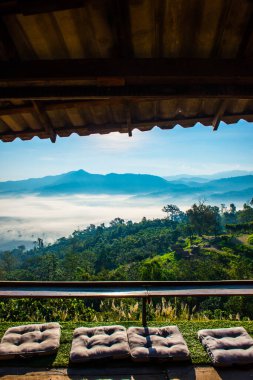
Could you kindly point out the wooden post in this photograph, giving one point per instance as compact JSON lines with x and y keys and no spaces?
{"x":144,"y":311}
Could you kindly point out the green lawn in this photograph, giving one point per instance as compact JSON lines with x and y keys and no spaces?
{"x":188,"y":329}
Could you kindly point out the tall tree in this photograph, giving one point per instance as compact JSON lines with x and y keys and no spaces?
{"x":204,"y":219}
{"x":173,"y":212}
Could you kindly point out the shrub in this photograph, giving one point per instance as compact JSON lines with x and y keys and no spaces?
{"x":250,"y":239}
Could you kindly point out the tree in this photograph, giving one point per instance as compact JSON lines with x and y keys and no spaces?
{"x":232,"y":208}
{"x":204,"y":219}
{"x":246,"y":214}
{"x":116,"y":222}
{"x":173,"y":212}
{"x":230,"y":216}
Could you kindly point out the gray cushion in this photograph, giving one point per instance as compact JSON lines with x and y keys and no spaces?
{"x":30,"y":340}
{"x":227,"y":346}
{"x":98,"y":343}
{"x":163,"y":343}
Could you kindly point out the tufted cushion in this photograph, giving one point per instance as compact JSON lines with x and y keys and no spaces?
{"x":164,"y":343}
{"x":98,"y":343}
{"x":227,"y":346}
{"x":30,"y":340}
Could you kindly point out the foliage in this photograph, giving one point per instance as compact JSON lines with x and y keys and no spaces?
{"x":183,"y":246}
{"x":204,"y":219}
{"x":45,"y":310}
{"x":250,"y":239}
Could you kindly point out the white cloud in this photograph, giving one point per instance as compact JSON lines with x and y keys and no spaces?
{"x":53,"y":217}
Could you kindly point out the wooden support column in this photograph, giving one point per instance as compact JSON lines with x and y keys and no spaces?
{"x":144,"y":311}
{"x":219,"y":114}
{"x":45,"y":120}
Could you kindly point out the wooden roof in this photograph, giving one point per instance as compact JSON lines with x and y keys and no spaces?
{"x":99,"y":66}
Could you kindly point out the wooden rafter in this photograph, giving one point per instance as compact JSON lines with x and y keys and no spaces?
{"x":121,"y":21}
{"x":7,"y":43}
{"x":247,"y":35}
{"x":219,"y":113}
{"x":221,"y":28}
{"x":44,"y":120}
{"x":158,"y":28}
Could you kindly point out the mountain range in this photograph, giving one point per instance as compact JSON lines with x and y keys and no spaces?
{"x":234,"y":188}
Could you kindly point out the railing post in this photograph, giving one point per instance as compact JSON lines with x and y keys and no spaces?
{"x":144,"y":311}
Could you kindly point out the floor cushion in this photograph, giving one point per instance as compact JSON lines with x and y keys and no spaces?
{"x":98,"y":343}
{"x":227,"y":346}
{"x":160,"y":343}
{"x":30,"y":340}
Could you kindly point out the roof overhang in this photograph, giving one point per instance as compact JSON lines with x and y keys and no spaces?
{"x":124,"y":79}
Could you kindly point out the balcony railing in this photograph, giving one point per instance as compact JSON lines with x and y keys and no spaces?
{"x":125,"y":289}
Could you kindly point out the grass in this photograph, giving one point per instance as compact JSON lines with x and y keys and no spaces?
{"x":188,"y":329}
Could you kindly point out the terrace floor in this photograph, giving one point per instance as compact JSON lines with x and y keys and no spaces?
{"x":128,"y":373}
{"x":57,"y":367}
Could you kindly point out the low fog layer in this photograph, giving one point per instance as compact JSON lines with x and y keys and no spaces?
{"x":24,"y":219}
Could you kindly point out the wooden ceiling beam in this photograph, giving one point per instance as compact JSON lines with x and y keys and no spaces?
{"x":30,"y":7}
{"x":127,"y":72}
{"x":44,"y":120}
{"x":130,"y":93}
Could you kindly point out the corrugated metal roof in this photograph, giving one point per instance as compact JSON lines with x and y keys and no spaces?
{"x":112,"y":29}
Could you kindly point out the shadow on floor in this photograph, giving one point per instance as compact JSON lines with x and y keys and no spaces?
{"x":132,"y":371}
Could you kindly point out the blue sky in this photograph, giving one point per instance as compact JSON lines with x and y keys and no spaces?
{"x":196,"y":150}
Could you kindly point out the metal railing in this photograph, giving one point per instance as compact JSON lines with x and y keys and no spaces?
{"x":125,"y":289}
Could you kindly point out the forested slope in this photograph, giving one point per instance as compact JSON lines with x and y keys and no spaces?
{"x":204,"y":243}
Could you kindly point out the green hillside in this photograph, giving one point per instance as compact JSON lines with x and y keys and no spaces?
{"x":204,"y":243}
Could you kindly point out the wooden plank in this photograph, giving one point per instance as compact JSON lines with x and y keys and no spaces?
{"x":130,"y":372}
{"x":125,"y":289}
{"x":111,"y":370}
{"x":72,"y":293}
{"x":199,"y":291}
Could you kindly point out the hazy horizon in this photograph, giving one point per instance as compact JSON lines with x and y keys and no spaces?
{"x":221,"y":173}
{"x":196,"y":151}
